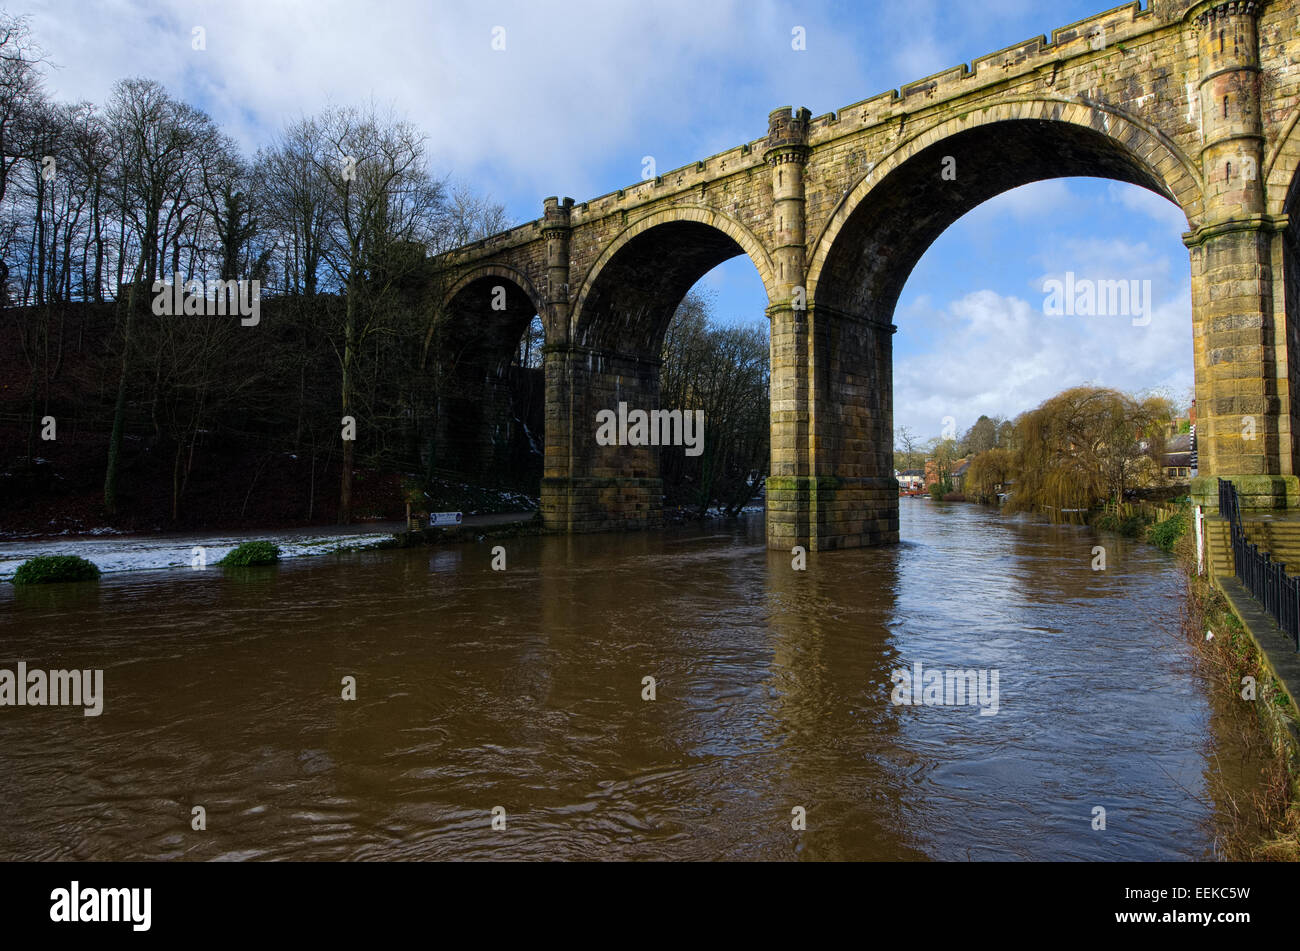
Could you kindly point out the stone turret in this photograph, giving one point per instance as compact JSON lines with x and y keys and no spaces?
{"x":556,"y":229}
{"x":786,"y":154}
{"x":1227,"y":43}
{"x":1244,"y":372}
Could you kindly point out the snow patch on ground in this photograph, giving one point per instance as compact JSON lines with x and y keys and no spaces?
{"x":157,"y":552}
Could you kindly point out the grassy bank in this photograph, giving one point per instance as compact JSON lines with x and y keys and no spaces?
{"x":1259,"y":723}
{"x":1143,"y":520}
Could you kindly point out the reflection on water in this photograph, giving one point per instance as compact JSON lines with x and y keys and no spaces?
{"x":523,"y":689}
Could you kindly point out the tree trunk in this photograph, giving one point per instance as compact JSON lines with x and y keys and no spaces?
{"x":345,"y":478}
{"x":119,"y":407}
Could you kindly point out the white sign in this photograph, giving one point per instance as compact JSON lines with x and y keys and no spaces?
{"x":443,"y":518}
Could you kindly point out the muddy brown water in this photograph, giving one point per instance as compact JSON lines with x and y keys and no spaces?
{"x":524,"y":688}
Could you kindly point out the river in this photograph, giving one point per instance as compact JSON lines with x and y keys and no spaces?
{"x":525,"y":689}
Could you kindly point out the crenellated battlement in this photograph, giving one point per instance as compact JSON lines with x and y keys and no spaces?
{"x":1205,"y":13}
{"x":1100,"y":35}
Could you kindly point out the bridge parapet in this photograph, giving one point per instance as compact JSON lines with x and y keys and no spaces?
{"x":1104,"y":33}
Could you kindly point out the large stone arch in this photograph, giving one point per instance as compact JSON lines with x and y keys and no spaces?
{"x":660,"y":257}
{"x":841,"y":467}
{"x":611,"y":359}
{"x":488,"y":411}
{"x":1094,"y":141}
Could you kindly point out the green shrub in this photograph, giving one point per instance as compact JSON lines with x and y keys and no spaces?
{"x":939,"y":489}
{"x":1134,"y":526}
{"x":1131,"y":527}
{"x":1166,"y":534}
{"x":48,"y":569}
{"x":1106,"y":522}
{"x":252,"y":553}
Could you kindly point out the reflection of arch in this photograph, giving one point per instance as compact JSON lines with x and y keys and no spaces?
{"x":682,"y":244}
{"x":902,"y":205}
{"x":1282,"y":170}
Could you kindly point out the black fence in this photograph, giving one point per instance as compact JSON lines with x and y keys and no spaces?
{"x":1264,"y":578}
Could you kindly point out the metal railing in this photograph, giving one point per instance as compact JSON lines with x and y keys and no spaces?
{"x":1266,"y":580}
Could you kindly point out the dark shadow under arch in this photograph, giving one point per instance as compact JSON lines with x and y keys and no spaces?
{"x":885,"y":236}
{"x":633,"y":296}
{"x":489,"y":410}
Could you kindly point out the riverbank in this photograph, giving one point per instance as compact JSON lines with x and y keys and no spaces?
{"x":60,"y":493}
{"x":115,"y":552}
{"x":515,"y":525}
{"x":1225,"y":633}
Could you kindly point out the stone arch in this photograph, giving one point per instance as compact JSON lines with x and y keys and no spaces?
{"x":1282,"y":170}
{"x":504,"y":272}
{"x":864,"y":254}
{"x":611,"y":360}
{"x":1048,"y":138}
{"x":472,"y":319}
{"x":683,"y":244}
{"x":489,"y":416}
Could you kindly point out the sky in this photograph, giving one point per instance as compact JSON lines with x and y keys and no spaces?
{"x":584,"y":90}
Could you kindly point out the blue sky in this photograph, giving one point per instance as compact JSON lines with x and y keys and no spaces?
{"x":584,"y":89}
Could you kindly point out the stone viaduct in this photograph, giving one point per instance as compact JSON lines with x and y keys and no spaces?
{"x":1196,"y":101}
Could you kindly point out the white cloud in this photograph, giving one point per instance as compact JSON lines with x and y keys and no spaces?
{"x":1035,"y":202}
{"x":1143,"y":201}
{"x":999,"y":356}
{"x":577,"y":86}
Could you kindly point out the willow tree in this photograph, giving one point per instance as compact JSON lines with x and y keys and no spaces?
{"x":1084,"y":446}
{"x":990,"y":471}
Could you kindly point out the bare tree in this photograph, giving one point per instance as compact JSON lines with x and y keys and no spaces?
{"x":383,"y":203}
{"x":20,"y":94}
{"x":336,"y":219}
{"x":906,"y":446}
{"x":158,"y":144}
{"x":293,"y":189}
{"x":470,"y":217}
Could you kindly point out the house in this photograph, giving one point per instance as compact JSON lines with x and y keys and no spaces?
{"x":958,"y":474}
{"x":910,"y":481}
{"x":1177,"y":460}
